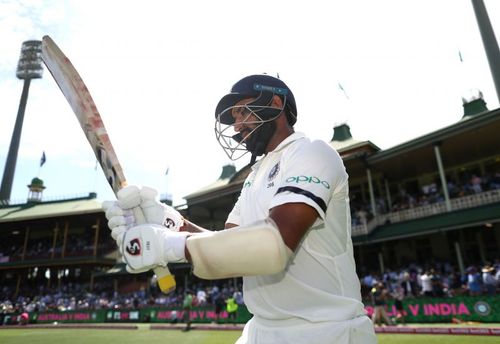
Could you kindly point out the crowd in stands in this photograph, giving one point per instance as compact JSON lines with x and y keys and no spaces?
{"x":78,"y":296}
{"x":43,"y":248}
{"x":468,"y":184}
{"x":413,"y":281}
{"x":434,"y":280}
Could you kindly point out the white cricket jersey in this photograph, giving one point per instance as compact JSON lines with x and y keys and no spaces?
{"x":320,"y":284}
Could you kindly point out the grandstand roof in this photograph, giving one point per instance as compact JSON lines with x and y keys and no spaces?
{"x":469,"y":139}
{"x":466,"y":130}
{"x":22,"y":212}
{"x":343,"y":142}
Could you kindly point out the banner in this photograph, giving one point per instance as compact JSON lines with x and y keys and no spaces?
{"x":197,"y":315}
{"x":84,"y":316}
{"x":484,"y":309}
{"x":451,"y":309}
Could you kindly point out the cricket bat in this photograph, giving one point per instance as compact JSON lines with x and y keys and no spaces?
{"x":80,"y":100}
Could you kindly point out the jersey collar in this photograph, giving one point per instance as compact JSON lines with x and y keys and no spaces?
{"x":290,"y":139}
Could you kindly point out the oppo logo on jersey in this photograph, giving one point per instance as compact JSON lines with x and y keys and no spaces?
{"x":306,"y":179}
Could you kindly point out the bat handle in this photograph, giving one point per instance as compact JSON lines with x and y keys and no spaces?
{"x":166,"y":280}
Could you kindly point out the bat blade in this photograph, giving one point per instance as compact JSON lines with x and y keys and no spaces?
{"x":80,"y":100}
{"x":78,"y":96}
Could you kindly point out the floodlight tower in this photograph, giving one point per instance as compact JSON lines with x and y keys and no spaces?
{"x":489,"y":41}
{"x":29,"y":67}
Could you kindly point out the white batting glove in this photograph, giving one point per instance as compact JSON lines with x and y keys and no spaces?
{"x":154,"y":211}
{"x":157,"y":212}
{"x":120,"y":215}
{"x":119,"y":220}
{"x":147,"y":246}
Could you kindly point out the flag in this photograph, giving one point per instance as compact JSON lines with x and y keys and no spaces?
{"x":342,"y":89}
{"x":42,"y":159}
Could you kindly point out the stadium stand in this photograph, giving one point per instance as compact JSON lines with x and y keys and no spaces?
{"x":409,"y":232}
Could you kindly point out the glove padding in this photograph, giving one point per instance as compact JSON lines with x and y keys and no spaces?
{"x":154,"y":211}
{"x":121,"y":216}
{"x":119,"y":220}
{"x":157,"y":212}
{"x":147,"y":246}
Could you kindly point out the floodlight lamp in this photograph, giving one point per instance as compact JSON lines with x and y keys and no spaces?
{"x":30,"y":61}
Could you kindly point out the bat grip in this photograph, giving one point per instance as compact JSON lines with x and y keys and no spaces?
{"x":166,"y":280}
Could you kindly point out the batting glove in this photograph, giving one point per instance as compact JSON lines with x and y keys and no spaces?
{"x":157,"y":212}
{"x":119,"y":220}
{"x":154,"y":211}
{"x":147,"y":246}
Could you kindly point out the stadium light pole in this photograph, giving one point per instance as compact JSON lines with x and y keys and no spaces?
{"x":29,"y":67}
{"x":489,"y":41}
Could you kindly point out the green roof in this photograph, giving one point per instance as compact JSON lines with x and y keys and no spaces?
{"x":466,"y":124}
{"x":22,"y":212}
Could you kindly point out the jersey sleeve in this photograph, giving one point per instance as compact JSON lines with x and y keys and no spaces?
{"x":311,"y":173}
{"x":234,"y":215}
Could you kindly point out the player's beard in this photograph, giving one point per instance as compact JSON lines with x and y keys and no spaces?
{"x":257,"y":142}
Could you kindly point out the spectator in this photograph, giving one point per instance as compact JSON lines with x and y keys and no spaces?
{"x":408,"y":286}
{"x":187,"y":305}
{"x":426,"y":283}
{"x":219,"y":307}
{"x":174,"y":317}
{"x":399,"y":295}
{"x":475,"y":183}
{"x":473,"y":282}
{"x":238,"y":297}
{"x":379,"y":300}
{"x":489,"y":281}
{"x":201,"y":296}
{"x":231,"y":308}
{"x":495,"y":182}
{"x":436,"y":284}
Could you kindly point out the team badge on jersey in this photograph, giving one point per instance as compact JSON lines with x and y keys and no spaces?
{"x":274,"y":172}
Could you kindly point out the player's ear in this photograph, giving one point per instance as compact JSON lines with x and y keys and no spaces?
{"x":277,"y":102}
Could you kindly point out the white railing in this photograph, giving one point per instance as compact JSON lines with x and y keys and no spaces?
{"x":464,"y":202}
{"x":361,"y":229}
{"x":367,"y":226}
{"x":14,"y":202}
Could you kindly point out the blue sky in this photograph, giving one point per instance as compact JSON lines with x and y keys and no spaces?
{"x":156,"y":70}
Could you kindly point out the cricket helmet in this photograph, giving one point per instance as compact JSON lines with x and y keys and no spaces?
{"x":261,"y":89}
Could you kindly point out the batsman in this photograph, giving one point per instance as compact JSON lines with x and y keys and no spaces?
{"x":289,"y":231}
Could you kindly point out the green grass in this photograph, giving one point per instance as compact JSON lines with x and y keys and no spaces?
{"x":94,"y":336}
{"x":144,"y":335}
{"x":433,"y":339}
